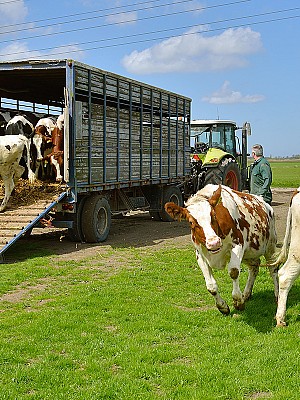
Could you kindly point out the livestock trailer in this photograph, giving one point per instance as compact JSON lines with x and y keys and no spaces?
{"x":126,"y":145}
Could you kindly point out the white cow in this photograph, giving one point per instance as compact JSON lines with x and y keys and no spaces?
{"x":227,"y":228}
{"x":11,"y":151}
{"x":290,"y":256}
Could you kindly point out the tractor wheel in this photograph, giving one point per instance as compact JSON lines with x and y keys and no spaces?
{"x":95,"y":219}
{"x":170,"y":193}
{"x":227,"y":173}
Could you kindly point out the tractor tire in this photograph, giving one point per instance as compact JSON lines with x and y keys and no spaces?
{"x":95,"y":219}
{"x":170,"y":193}
{"x":227,"y":173}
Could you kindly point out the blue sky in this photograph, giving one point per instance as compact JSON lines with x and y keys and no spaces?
{"x":236,"y":59}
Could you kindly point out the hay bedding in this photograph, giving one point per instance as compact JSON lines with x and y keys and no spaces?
{"x":25,"y":194}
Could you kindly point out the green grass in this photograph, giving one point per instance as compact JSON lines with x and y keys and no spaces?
{"x":135,"y":324}
{"x":286,"y":174}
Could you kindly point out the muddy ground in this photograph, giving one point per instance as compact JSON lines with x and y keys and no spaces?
{"x":135,"y":230}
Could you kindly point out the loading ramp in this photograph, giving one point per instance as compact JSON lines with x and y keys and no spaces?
{"x":16,"y":223}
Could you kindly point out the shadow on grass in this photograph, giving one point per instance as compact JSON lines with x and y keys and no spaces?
{"x":136,"y":231}
{"x":261,"y":309}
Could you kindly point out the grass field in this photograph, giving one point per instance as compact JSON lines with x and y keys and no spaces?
{"x":286,"y":173}
{"x":139,"y":324}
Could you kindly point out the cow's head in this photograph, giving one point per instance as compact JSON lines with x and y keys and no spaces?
{"x":210,"y":221}
{"x":45,"y":127}
{"x":40,"y":142}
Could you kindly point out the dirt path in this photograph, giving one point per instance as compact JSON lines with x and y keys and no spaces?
{"x":138,"y":230}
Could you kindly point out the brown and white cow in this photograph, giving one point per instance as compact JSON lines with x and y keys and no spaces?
{"x":56,"y":157}
{"x":47,"y":148}
{"x":290,"y":256}
{"x":45,"y":126}
{"x":51,"y":150}
{"x":227,"y":228}
{"x":41,"y":144}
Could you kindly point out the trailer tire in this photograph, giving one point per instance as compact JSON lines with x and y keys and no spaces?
{"x":227,"y":173}
{"x":75,"y":234}
{"x":96,"y":219}
{"x":155,"y":215}
{"x":170,"y":193}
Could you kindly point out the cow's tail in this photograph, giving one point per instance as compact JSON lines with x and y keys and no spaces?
{"x":282,"y":256}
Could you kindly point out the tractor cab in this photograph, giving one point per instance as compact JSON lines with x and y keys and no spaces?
{"x":218,"y":154}
{"x":215,"y":134}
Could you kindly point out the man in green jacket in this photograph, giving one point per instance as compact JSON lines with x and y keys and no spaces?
{"x":260,"y":174}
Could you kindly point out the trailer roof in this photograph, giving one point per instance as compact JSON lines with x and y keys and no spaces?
{"x":43,"y":81}
{"x":33,"y":81}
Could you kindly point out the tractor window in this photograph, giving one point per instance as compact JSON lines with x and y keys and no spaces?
{"x":198,"y":139}
{"x":217,"y":138}
{"x":230,"y":139}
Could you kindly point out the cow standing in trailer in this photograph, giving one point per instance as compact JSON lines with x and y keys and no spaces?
{"x":229,"y":227}
{"x":45,"y":126}
{"x":42,"y":144}
{"x":290,"y":256}
{"x":11,"y":151}
{"x":20,"y":125}
{"x":47,"y":150}
{"x":5,"y":116}
{"x":56,"y":157}
{"x":3,"y":124}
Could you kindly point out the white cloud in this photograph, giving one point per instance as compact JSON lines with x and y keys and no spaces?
{"x":20,"y":51}
{"x":195,"y":52}
{"x":12,"y":12}
{"x":122,"y":18}
{"x":69,"y":51}
{"x":226,"y":95}
{"x":194,"y":6}
{"x":17,"y":51}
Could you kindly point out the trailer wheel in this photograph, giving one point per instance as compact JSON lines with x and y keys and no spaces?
{"x":75,"y":234}
{"x":96,"y":219}
{"x":170,"y":193}
{"x":227,"y":173}
{"x":155,"y":215}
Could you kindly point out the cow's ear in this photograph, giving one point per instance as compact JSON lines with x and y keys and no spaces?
{"x":176,"y":212}
{"x":216,"y":197}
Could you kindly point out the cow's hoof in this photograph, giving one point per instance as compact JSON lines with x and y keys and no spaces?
{"x":31,"y":178}
{"x":224,"y":309}
{"x":239,"y":306}
{"x":280,"y":324}
{"x":247,"y":296}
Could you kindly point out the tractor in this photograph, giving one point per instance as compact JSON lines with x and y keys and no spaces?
{"x":218,"y":155}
